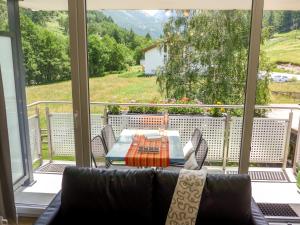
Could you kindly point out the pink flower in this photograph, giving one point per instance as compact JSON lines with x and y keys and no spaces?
{"x":185,"y":99}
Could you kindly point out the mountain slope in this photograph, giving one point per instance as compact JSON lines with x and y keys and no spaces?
{"x":139,"y":21}
{"x":284,"y":48}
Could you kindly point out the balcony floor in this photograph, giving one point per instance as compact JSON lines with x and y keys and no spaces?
{"x":33,"y":199}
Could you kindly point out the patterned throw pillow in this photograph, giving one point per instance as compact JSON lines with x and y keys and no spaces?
{"x":191,"y":163}
{"x":188,"y":149}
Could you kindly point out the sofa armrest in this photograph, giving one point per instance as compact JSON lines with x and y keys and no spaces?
{"x":51,"y":212}
{"x":257,"y":217}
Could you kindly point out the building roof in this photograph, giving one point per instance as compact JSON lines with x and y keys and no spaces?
{"x":162,"y":4}
{"x":150,"y":47}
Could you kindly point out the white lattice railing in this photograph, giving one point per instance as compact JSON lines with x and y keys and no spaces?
{"x":268,"y":140}
{"x":120,"y":122}
{"x":268,"y":145}
{"x":62,"y":132}
{"x":34,"y":138}
{"x":213,"y":130}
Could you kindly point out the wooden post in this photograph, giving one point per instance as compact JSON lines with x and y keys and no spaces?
{"x":80,"y":81}
{"x":105,"y":116}
{"x":287,"y":141}
{"x":226,"y":141}
{"x":50,"y":153}
{"x":251,"y":83}
{"x":297,"y":150}
{"x":37,"y":112}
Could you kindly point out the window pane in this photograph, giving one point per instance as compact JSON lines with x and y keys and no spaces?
{"x":188,"y":56}
{"x":45,"y":45}
{"x":273,"y":156}
{"x":7,"y":71}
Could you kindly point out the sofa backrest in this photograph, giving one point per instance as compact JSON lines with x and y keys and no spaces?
{"x":92,"y":196}
{"x":226,"y":199}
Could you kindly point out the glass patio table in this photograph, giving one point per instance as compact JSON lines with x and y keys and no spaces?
{"x":121,"y":147}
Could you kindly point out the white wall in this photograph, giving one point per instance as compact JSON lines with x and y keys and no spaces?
{"x":153,"y":59}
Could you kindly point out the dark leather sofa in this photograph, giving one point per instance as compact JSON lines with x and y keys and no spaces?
{"x":143,"y":197}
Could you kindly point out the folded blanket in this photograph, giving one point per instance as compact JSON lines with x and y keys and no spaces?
{"x":186,"y":198}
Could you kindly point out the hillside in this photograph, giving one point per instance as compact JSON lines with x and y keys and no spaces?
{"x":284,"y":48}
{"x":123,"y":87}
{"x":45,"y":42}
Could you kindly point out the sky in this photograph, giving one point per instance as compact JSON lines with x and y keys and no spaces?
{"x":153,"y":12}
{"x":150,"y":12}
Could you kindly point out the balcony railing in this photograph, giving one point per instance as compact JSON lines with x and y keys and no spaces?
{"x":270,"y":139}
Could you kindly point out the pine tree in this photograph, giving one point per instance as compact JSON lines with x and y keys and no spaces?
{"x":287,"y":21}
{"x":148,"y":36}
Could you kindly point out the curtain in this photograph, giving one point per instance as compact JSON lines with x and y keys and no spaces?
{"x":7,"y":202}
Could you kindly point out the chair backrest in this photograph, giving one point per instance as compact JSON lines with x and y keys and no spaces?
{"x":192,"y":145}
{"x":196,"y":138}
{"x":201,"y":152}
{"x":108,"y":136}
{"x":98,"y":152}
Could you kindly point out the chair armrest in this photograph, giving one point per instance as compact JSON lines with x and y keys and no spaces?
{"x":257,"y":217}
{"x":51,"y":212}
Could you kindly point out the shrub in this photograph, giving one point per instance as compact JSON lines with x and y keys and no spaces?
{"x":196,"y":111}
{"x":178,"y":110}
{"x":136,"y":109}
{"x":216,"y":112}
{"x":151,"y":110}
{"x":260,"y":112}
{"x":187,"y":111}
{"x":235,"y":112}
{"x":114,"y":109}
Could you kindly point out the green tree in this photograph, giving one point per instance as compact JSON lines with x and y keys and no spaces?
{"x":207,"y":56}
{"x":105,"y":54}
{"x":45,"y":41}
{"x":296,"y":20}
{"x":120,"y":56}
{"x":287,"y":21}
{"x":45,"y":54}
{"x":3,"y":16}
{"x":63,"y":21}
{"x":98,"y":55}
{"x":40,"y":17}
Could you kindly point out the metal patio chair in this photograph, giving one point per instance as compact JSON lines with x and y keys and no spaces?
{"x":108,"y":136}
{"x":99,"y":152}
{"x":201,"y":152}
{"x":195,"y":139}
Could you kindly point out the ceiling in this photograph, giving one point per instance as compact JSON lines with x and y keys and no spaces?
{"x":54,"y":5}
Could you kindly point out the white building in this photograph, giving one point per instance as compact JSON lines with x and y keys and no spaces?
{"x":154,"y":58}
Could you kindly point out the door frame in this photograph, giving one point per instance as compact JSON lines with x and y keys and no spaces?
{"x":14,"y":33}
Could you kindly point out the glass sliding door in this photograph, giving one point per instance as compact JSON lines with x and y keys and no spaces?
{"x":275,"y":139}
{"x":7,"y":70}
{"x":7,"y":67}
{"x":45,"y":45}
{"x":196,"y":56}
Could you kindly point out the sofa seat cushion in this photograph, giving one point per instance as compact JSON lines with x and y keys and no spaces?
{"x":225,"y":199}
{"x":91,"y":196}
